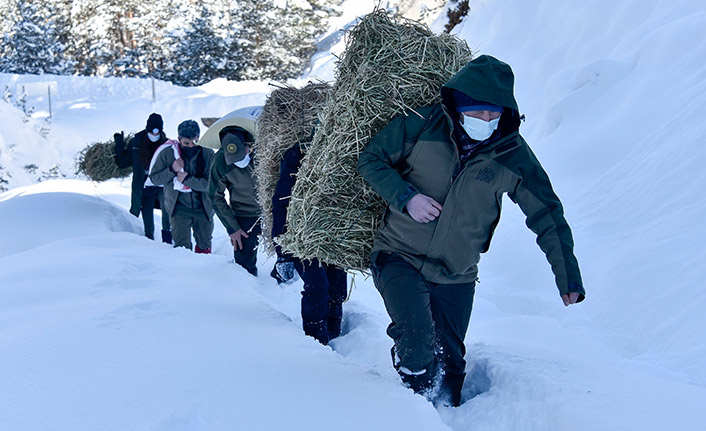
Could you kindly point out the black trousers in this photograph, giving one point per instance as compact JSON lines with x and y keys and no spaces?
{"x":429,"y":324}
{"x":153,"y":197}
{"x":247,"y":256}
{"x":325,"y":289}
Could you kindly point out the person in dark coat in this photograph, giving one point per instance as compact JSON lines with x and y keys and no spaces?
{"x":444,"y":176}
{"x":233,"y":170}
{"x":145,"y":196}
{"x":183,"y":168}
{"x":325,"y":286}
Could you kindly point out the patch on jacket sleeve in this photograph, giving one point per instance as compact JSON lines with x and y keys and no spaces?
{"x":486,"y":175}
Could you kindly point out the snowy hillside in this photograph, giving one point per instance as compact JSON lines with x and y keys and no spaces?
{"x":102,"y":329}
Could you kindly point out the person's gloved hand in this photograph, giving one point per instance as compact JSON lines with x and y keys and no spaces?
{"x":285,"y":271}
{"x":119,"y":139}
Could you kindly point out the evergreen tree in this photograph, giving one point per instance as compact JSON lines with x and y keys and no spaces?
{"x":278,"y":38}
{"x":116,"y":37}
{"x":255,"y":21}
{"x":98,"y":37}
{"x":147,"y":49}
{"x":186,"y":41}
{"x":307,"y":20}
{"x":31,"y":44}
{"x":197,"y":57}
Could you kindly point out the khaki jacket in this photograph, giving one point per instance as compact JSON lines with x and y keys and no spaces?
{"x":198,"y":168}
{"x":241,"y":187}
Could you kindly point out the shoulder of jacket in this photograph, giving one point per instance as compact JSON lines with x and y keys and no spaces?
{"x":207,"y":154}
{"x":510,"y":147}
{"x":161,"y":153}
{"x":137,"y":138}
{"x":515,"y":155}
{"x":423,"y":114}
{"x":218,"y":160}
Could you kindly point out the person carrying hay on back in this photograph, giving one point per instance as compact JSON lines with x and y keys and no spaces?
{"x":325,"y":286}
{"x":138,"y":152}
{"x":443,"y":177}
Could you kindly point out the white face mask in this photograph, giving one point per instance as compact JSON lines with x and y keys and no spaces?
{"x":478,"y":129}
{"x":153,"y":138}
{"x":243,"y":163}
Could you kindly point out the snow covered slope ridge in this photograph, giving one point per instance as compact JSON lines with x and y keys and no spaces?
{"x":613,"y":94}
{"x":104,"y":329}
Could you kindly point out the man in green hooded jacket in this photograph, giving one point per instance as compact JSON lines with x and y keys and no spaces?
{"x":443,"y":176}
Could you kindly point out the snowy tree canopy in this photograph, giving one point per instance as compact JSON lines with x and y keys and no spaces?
{"x":188,"y":42}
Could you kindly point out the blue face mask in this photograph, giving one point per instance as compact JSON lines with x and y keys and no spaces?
{"x":478,"y":129}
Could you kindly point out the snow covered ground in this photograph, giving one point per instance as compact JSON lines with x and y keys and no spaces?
{"x":102,"y":329}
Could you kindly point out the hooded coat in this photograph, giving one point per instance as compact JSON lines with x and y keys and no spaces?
{"x":421,"y":155}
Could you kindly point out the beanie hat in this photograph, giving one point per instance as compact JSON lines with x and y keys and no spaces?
{"x":188,"y":129}
{"x":233,"y":148}
{"x":465,"y":103}
{"x":154,"y":121}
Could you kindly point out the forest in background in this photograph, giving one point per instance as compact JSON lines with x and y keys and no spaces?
{"x":186,"y":42}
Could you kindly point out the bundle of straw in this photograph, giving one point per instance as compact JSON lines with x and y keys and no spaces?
{"x":390,"y":65}
{"x":288,"y":116}
{"x":97,"y":162}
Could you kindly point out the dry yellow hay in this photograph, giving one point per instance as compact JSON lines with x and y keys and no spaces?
{"x":390,"y":65}
{"x":97,"y":161}
{"x":288,"y":117}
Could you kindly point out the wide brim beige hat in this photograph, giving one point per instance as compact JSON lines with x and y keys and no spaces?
{"x":245,"y":118}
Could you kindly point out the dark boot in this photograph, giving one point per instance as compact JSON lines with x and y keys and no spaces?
{"x":450,"y":389}
{"x":202,"y":250}
{"x":317,"y":330}
{"x":421,"y":382}
{"x":333,"y":321}
{"x":166,"y":236}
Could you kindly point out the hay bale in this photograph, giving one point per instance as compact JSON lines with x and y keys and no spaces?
{"x":390,"y":65}
{"x":288,"y":116}
{"x":97,"y":161}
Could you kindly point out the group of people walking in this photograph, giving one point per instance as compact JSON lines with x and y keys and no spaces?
{"x":189,"y":183}
{"x":443,"y":174}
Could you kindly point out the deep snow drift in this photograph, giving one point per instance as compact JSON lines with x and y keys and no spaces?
{"x":101,"y":328}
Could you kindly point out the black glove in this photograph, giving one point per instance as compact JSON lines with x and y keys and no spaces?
{"x":119,"y":139}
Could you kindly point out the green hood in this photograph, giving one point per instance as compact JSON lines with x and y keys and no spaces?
{"x":489,"y":80}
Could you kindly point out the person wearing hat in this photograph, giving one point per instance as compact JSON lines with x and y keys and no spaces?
{"x":138,"y":152}
{"x":232,"y":170}
{"x":183,"y":167}
{"x":444,"y":176}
